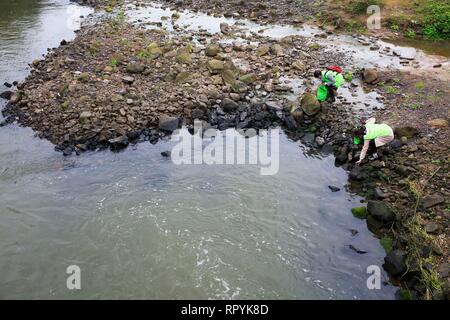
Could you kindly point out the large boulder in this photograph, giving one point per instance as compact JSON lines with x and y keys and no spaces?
{"x":407,"y":132}
{"x":380,"y":211}
{"x":263,"y":50}
{"x":438,"y":123}
{"x":370,"y":75}
{"x":6,"y":95}
{"x":167,"y":123}
{"x":310,"y":105}
{"x":135,"y":68}
{"x":395,"y":263}
{"x":212,"y":50}
{"x":215,"y":66}
{"x":229,"y":105}
{"x":229,"y":77}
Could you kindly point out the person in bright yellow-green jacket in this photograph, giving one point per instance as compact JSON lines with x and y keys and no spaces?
{"x":332,"y":80}
{"x":374,"y":136}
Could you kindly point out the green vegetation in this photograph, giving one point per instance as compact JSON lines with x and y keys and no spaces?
{"x":359,"y":212}
{"x":410,"y":33}
{"x":405,"y":294}
{"x":391,"y":90}
{"x":114,"y":62}
{"x":417,"y":238}
{"x":436,"y":19}
{"x":348,"y":76}
{"x":395,"y":27}
{"x":386,"y":243}
{"x":360,"y":6}
{"x":420,"y":85}
{"x":414,"y":106}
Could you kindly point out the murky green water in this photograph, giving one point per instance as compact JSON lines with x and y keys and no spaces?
{"x":140,"y":227}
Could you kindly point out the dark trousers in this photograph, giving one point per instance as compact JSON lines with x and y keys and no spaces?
{"x":331,"y":93}
{"x":372,"y":147}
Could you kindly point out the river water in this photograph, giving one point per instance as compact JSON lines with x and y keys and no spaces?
{"x":139,"y":226}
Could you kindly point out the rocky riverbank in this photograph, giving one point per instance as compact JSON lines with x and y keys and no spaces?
{"x":117,"y":84}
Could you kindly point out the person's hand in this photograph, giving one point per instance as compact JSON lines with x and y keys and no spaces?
{"x":358,"y":162}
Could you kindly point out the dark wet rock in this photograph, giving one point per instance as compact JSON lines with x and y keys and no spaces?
{"x":133,"y":135}
{"x":395,"y":263}
{"x":166,"y":154}
{"x":374,"y":225}
{"x":432,"y":200}
{"x":309,"y":138}
{"x":310,"y":105}
{"x":370,"y":75}
{"x":357,"y":250}
{"x":379,"y":194}
{"x":407,"y":132}
{"x":229,"y":105}
{"x":360,"y":212}
{"x":357,"y":174}
{"x":197,"y":113}
{"x":118,"y":143}
{"x":67,"y":151}
{"x":334,"y":189}
{"x":167,"y":123}
{"x":290,"y":123}
{"x":380,"y":211}
{"x":396,"y":144}
{"x":6,"y":95}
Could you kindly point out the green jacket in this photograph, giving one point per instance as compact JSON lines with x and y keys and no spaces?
{"x":338,"y":78}
{"x":377,"y":130}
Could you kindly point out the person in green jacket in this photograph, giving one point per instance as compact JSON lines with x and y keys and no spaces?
{"x":332,"y":80}
{"x":374,"y":136}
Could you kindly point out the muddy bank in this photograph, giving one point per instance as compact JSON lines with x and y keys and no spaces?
{"x":117,"y":84}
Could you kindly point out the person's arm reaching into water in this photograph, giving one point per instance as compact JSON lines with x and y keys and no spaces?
{"x":363,"y":152}
{"x":366,"y":144}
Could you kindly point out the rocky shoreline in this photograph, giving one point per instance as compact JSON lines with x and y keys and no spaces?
{"x":117,"y":84}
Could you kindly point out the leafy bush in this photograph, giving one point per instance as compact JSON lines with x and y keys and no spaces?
{"x":436,"y":19}
{"x":360,"y":6}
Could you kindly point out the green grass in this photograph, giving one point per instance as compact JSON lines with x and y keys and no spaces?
{"x":414,"y":106}
{"x":391,"y":90}
{"x":420,"y":85}
{"x":114,"y":62}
